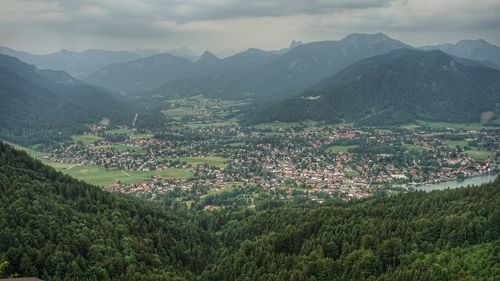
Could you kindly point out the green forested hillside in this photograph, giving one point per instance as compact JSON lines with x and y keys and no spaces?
{"x":446,"y":235}
{"x":58,"y":228}
{"x":399,"y":87}
{"x":38,"y":103}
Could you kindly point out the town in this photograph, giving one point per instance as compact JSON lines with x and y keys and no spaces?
{"x":322,"y":161}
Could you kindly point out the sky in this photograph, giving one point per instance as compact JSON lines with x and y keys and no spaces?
{"x":228,"y":26}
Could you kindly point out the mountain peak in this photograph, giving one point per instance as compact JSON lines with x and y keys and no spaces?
{"x":208,"y":57}
{"x":366,"y":36}
{"x":294,"y":44}
{"x":477,"y":42}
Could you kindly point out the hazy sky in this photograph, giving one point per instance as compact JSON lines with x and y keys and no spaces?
{"x":42,"y":26}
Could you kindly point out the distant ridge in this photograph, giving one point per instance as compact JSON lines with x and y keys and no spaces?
{"x":36,"y":100}
{"x":77,"y":64}
{"x":398,"y":87}
{"x":480,"y":50}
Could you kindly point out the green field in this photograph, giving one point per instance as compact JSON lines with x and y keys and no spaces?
{"x":197,"y":125}
{"x":340,"y":148}
{"x":455,"y":143}
{"x":236,"y":144}
{"x":286,"y":125}
{"x":179,"y":112}
{"x":104,"y":122}
{"x":58,"y":166}
{"x":131,"y":133}
{"x":472,"y":152}
{"x":351,"y":173}
{"x":32,"y":151}
{"x":465,"y":126}
{"x":415,"y":147}
{"x":98,"y":175}
{"x":211,"y":160}
{"x":123,"y":148}
{"x":480,"y":154}
{"x":86,"y":139}
{"x":117,"y":131}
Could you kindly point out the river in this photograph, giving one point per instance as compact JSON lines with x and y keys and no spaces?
{"x":454,"y":184}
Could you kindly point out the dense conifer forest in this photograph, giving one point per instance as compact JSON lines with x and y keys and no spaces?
{"x":57,"y":228}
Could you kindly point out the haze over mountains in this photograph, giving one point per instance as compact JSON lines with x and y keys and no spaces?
{"x":253,"y":73}
{"x":78,"y":64}
{"x":471,"y":49}
{"x":398,"y":87}
{"x":34,"y":100}
{"x":391,"y":88}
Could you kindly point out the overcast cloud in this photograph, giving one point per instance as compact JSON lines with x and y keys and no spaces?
{"x":221,"y":26}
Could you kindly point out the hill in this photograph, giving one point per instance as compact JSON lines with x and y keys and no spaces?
{"x":37,"y":101}
{"x":142,"y":74}
{"x":213,"y":77}
{"x":307,"y":64}
{"x":253,"y":73}
{"x":77,"y":64}
{"x":57,"y":228}
{"x":479,"y":50}
{"x":398,"y":87}
{"x":169,"y":75}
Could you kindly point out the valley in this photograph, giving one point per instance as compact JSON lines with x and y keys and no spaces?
{"x":203,"y":150}
{"x":358,"y":157}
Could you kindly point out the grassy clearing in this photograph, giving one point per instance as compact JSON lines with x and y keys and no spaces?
{"x":211,"y":160}
{"x":287,"y":125}
{"x":174,"y":173}
{"x":225,"y":188}
{"x":455,"y":143}
{"x":180,"y":111}
{"x":340,"y":148}
{"x":465,"y":126}
{"x":58,"y":166}
{"x":127,"y":131}
{"x":118,"y":131}
{"x":197,"y":125}
{"x":104,"y":122}
{"x":446,"y":125}
{"x":415,"y":147}
{"x":236,"y":144}
{"x":98,"y":175}
{"x":351,"y":173}
{"x":86,"y":139}
{"x":140,"y":136}
{"x":123,"y":148}
{"x":480,"y":154}
{"x":30,"y":150}
{"x":472,"y":152}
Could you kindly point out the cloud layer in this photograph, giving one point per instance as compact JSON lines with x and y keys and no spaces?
{"x":222,"y":25}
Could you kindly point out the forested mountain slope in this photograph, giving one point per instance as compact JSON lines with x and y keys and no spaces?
{"x":443,"y":235}
{"x":254,"y":73}
{"x":78,"y":64}
{"x":398,"y":87}
{"x":36,"y":101}
{"x":57,"y":228}
{"x":479,"y":50}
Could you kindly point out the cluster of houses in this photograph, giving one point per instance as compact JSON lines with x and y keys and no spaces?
{"x":286,"y":158}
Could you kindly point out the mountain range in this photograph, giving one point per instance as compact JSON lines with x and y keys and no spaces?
{"x":292,"y":77}
{"x":479,"y":50}
{"x":77,"y":64}
{"x":34,"y":100}
{"x":398,"y":87}
{"x":253,"y":73}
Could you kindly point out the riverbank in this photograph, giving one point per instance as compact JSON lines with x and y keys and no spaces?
{"x":477,"y":180}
